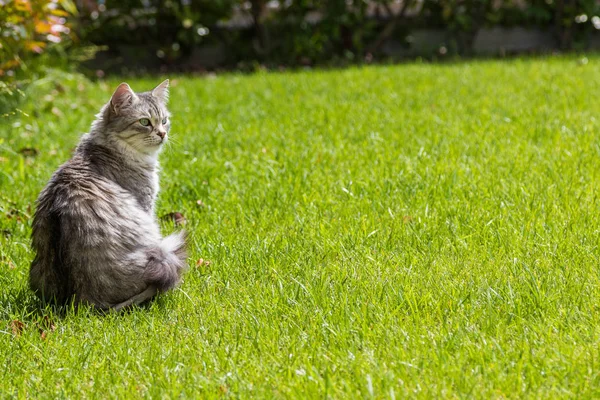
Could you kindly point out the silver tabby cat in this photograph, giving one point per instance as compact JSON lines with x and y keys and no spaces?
{"x":95,"y":234}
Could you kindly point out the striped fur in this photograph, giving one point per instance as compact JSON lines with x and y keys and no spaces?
{"x":95,"y":234}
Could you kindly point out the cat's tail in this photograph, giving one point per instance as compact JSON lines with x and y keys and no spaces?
{"x":166,"y":262}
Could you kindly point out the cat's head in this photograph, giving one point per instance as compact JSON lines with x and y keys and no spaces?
{"x":139,"y":120}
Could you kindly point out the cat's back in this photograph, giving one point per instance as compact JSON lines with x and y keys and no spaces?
{"x":82,"y":218}
{"x":74,"y":193}
{"x":76,"y":202}
{"x":74,"y":182}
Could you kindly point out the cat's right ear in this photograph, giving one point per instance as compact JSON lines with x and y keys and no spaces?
{"x":121,"y":98}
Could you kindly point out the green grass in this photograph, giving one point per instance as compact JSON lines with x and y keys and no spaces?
{"x":390,"y":232}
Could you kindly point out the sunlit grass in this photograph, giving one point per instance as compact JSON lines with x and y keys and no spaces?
{"x":403,"y":231}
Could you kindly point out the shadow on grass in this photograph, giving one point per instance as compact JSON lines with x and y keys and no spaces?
{"x":22,"y":305}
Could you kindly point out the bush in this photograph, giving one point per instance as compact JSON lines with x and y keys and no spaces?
{"x":34,"y":36}
{"x":149,"y":34}
{"x":168,"y":29}
{"x":296,"y":32}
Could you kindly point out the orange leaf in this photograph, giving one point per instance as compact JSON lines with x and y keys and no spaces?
{"x":22,"y":5}
{"x":202,"y":262}
{"x":34,"y":46}
{"x":9,"y":64}
{"x":17,"y":327}
{"x":42,"y":27}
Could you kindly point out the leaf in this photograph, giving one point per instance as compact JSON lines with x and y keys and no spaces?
{"x":44,"y":326}
{"x":29,"y":151}
{"x":17,"y":327}
{"x":69,"y":6}
{"x":14,"y":213}
{"x":35,"y":46}
{"x":202,"y":262}
{"x":42,"y":27}
{"x":176,"y":217}
{"x":60,"y":13}
{"x":22,"y":5}
{"x":48,"y":324}
{"x":9,"y":64}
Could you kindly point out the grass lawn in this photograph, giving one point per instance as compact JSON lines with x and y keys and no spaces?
{"x":404,"y":231}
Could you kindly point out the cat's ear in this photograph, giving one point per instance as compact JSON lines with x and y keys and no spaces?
{"x":121,"y":98}
{"x":161,"y":92}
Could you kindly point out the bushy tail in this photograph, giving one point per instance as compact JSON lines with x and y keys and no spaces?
{"x":166,"y":262}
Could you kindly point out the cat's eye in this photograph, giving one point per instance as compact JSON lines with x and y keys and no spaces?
{"x":164,"y":121}
{"x":144,"y":122}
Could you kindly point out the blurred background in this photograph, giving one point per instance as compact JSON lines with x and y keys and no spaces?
{"x":102,"y":37}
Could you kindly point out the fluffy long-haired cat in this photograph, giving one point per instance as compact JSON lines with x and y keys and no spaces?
{"x":95,"y":234}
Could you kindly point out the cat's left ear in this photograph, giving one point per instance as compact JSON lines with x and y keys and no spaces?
{"x":162,"y":91}
{"x":122,"y":97}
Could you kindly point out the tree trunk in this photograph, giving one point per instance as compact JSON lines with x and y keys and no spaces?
{"x":390,"y":27}
{"x":261,"y":39}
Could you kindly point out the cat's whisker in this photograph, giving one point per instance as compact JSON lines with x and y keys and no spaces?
{"x":171,"y":140}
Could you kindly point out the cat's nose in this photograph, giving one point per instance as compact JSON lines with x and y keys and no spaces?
{"x":161,"y":134}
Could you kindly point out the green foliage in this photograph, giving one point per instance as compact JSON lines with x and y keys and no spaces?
{"x":168,"y":27}
{"x":30,"y":28}
{"x":34,"y":34}
{"x":146,"y":35}
{"x":315,"y":31}
{"x":414,"y":231}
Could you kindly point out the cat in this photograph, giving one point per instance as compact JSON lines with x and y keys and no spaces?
{"x":95,"y":234}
